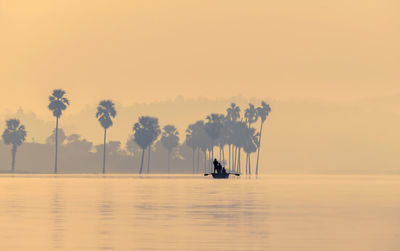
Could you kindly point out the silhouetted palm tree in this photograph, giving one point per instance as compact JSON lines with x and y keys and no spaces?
{"x":232,"y":115}
{"x":233,"y":112}
{"x":191,"y":141}
{"x":14,"y":135}
{"x":251,"y":117}
{"x":197,"y":139}
{"x":239,"y":137}
{"x":146,"y":131}
{"x":155,"y":132}
{"x":105,"y":113}
{"x":250,"y":146}
{"x":58,"y":103}
{"x":263,"y":113}
{"x":213,"y":128}
{"x":169,"y":139}
{"x":224,"y":138}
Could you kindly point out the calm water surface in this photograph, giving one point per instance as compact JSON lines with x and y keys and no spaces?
{"x":127,"y":212}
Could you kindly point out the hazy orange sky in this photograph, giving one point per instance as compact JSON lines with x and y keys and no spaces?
{"x":135,"y":51}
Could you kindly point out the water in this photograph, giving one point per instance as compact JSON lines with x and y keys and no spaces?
{"x":127,"y":212}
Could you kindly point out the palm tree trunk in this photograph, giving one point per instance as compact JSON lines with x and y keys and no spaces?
{"x":169,"y":156}
{"x":220,"y":153}
{"x":223,"y":154}
{"x":212,"y":155}
{"x":198,"y":160}
{"x":239,"y":161}
{"x":193,"y":160}
{"x":229,"y":146}
{"x":259,"y":146}
{"x":148,"y":159}
{"x":247,"y":158}
{"x":104,"y":152}
{"x":249,"y":164}
{"x":55,"y":163}
{"x":209,"y":160}
{"x":13,"y":152}
{"x":205,"y":161}
{"x":235,"y":159}
{"x":141,"y":162}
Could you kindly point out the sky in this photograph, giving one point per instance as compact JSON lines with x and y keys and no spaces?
{"x":147,"y":51}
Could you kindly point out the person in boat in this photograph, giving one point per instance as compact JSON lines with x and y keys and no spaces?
{"x":215,"y":162}
{"x":223,"y":170}
{"x":217,"y":166}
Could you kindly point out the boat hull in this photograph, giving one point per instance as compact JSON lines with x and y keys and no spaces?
{"x":220,"y":175}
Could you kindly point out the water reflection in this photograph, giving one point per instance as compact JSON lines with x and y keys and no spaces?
{"x":106,"y":218}
{"x":285,"y":213}
{"x":57,"y":213}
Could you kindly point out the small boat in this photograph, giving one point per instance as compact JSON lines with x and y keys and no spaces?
{"x":221,"y":175}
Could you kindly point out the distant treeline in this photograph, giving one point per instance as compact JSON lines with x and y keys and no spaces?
{"x":149,"y":149}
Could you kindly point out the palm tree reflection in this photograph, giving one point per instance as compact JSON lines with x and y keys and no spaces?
{"x":57,"y":212}
{"x":105,"y":209}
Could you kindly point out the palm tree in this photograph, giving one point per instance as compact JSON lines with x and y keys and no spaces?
{"x":227,"y":139}
{"x":250,"y":145}
{"x":155,"y":132}
{"x":14,"y":135}
{"x":170,"y":140}
{"x":263,"y":113}
{"x":58,"y":103}
{"x":105,"y":113}
{"x":146,"y":131}
{"x":191,"y":141}
{"x":237,"y":142}
{"x":233,"y":112}
{"x":224,"y":138}
{"x":232,"y":115}
{"x":251,"y":117}
{"x":197,"y":138}
{"x":213,"y":128}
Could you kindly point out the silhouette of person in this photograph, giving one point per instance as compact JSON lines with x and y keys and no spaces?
{"x":215,"y":162}
{"x":223,"y":170}
{"x":219,"y":168}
